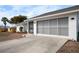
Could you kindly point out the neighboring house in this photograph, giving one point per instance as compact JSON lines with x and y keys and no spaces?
{"x":21,"y":27}
{"x":26,"y":26}
{"x":59,"y":23}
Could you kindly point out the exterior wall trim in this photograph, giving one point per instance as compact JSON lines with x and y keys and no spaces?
{"x":56,"y":14}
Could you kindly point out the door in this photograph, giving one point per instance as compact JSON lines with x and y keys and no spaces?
{"x":40,"y":27}
{"x":30,"y":27}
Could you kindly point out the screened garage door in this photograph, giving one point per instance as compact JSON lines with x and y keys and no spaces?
{"x":53,"y":26}
{"x":43,"y":27}
{"x":63,"y":26}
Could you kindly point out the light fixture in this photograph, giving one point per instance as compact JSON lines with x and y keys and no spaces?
{"x":72,"y":18}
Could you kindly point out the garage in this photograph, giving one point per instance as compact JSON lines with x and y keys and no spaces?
{"x":63,"y":23}
{"x":57,"y":26}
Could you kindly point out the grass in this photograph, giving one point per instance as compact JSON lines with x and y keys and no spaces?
{"x":4,"y":36}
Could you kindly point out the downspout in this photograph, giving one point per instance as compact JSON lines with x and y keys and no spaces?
{"x":77,"y":27}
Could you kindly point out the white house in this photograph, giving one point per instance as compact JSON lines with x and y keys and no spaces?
{"x":60,"y":23}
{"x":21,"y":27}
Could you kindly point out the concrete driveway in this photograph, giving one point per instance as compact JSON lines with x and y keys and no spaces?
{"x":32,"y":44}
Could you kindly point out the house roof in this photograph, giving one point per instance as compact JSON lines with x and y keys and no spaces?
{"x":58,"y":11}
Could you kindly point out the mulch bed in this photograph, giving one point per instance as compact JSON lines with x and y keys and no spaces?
{"x":69,"y":47}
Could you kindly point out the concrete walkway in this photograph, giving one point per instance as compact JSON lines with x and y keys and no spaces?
{"x":32,"y":44}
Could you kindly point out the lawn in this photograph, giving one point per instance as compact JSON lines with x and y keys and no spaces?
{"x":9,"y":36}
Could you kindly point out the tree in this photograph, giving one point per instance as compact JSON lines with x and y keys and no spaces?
{"x":17,"y":19}
{"x":4,"y":20}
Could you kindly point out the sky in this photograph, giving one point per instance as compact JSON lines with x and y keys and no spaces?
{"x":27,"y":10}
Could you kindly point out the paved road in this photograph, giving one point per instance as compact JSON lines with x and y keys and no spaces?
{"x":32,"y":44}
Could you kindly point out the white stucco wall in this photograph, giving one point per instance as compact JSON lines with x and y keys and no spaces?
{"x":73,"y":26}
{"x":18,"y":29}
{"x":35,"y":27}
{"x":27,"y":27}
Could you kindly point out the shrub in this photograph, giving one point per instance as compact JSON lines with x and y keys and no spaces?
{"x":11,"y":29}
